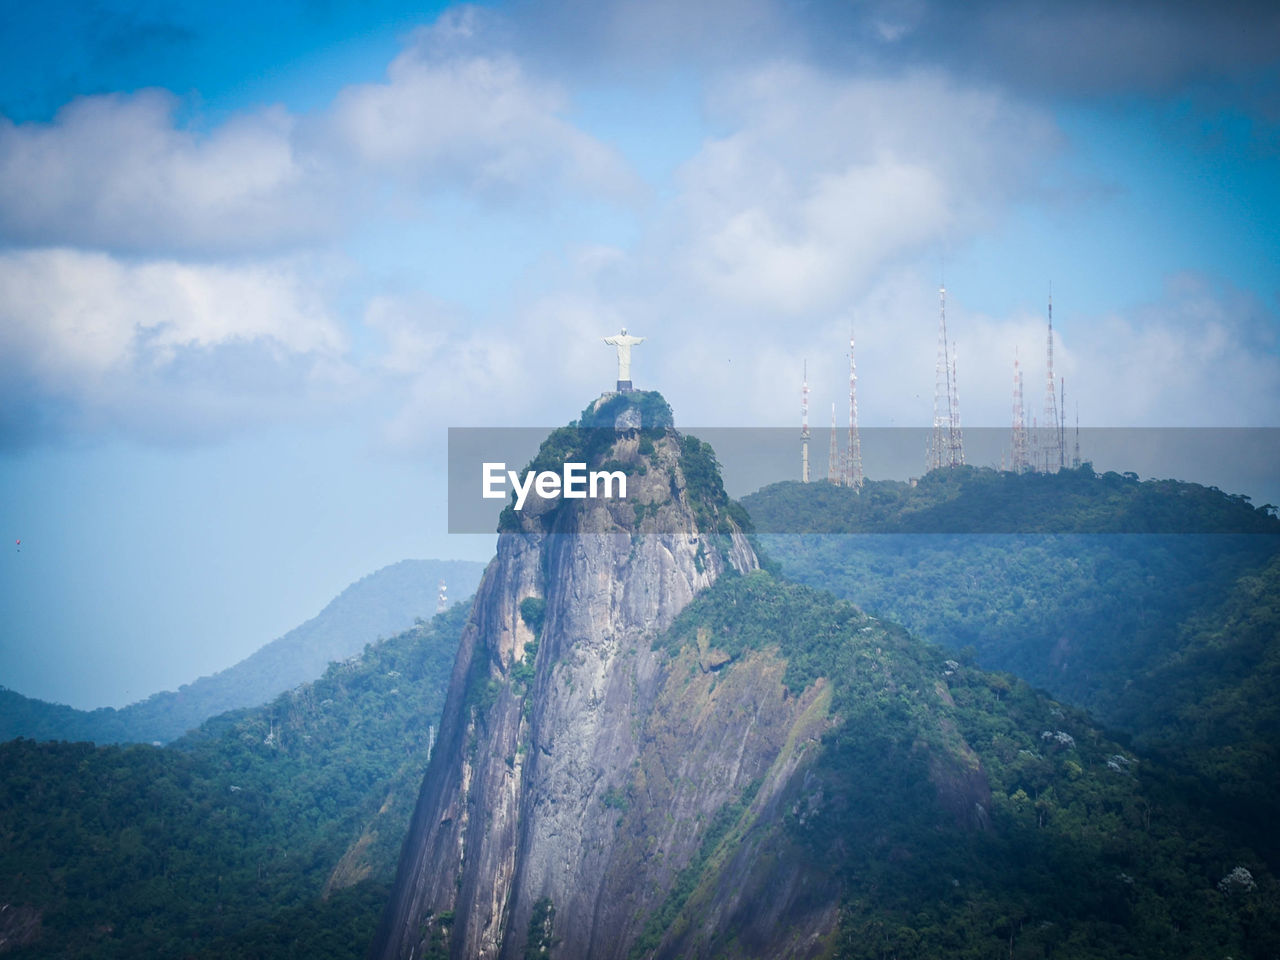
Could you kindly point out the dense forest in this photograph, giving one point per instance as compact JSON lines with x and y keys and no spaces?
{"x":965,"y":815}
{"x":272,"y":831}
{"x":1170,"y":638}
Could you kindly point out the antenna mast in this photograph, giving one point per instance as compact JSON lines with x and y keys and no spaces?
{"x":943,"y":418}
{"x":1052,"y":440}
{"x":1062,"y":423}
{"x":957,"y":438}
{"x":833,"y":452}
{"x":1019,"y":439}
{"x":1075,"y":460}
{"x":804,"y":426}
{"x":853,"y":477}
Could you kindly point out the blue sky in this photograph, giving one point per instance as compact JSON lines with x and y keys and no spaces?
{"x":256,"y":259}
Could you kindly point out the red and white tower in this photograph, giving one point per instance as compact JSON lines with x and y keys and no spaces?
{"x":1018,"y":439}
{"x":947,"y":446}
{"x":833,"y":451}
{"x":957,"y":438}
{"x":853,"y":473}
{"x":804,"y":426}
{"x":1051,"y":442}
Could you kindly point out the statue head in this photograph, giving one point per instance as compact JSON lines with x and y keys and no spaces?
{"x":624,"y":331}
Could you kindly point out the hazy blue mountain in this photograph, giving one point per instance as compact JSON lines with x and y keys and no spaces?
{"x":381,"y":604}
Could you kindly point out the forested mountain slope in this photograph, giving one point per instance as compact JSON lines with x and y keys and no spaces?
{"x":379,"y":605}
{"x":957,"y":812}
{"x":1211,"y":706}
{"x":1087,"y":596}
{"x":1169,"y":637}
{"x":268,"y":832}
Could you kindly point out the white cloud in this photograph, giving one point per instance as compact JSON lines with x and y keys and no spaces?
{"x":158,"y":270}
{"x":120,"y":172}
{"x":473,"y":118}
{"x":137,"y":341}
{"x":525,"y":372}
{"x":826,"y":181}
{"x":117,"y":172}
{"x":803,"y":253}
{"x":826,"y":201}
{"x":814,"y":209}
{"x":1201,"y":356}
{"x":816,"y":201}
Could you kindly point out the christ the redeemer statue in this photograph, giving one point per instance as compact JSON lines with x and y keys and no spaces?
{"x":624,"y":342}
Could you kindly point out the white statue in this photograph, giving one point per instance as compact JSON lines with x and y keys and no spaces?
{"x":624,"y":342}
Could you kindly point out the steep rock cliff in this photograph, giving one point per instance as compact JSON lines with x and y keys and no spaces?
{"x":586,"y":781}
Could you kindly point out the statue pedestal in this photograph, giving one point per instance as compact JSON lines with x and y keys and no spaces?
{"x":624,"y":386}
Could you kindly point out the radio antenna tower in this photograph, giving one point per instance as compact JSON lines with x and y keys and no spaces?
{"x":833,"y":452}
{"x":1062,"y":423}
{"x":853,"y":478}
{"x":1075,"y":460}
{"x":940,"y":450}
{"x":1018,"y":441}
{"x":1053,"y":440}
{"x":957,"y":438}
{"x":947,"y":449}
{"x":804,"y":426}
{"x":442,"y":598}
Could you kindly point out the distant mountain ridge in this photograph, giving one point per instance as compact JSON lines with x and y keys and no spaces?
{"x":383,"y":603}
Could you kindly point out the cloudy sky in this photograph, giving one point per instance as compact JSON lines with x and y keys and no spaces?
{"x":255,"y":258}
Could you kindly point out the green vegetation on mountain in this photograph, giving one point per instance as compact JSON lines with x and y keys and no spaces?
{"x":982,"y":500}
{"x":1211,"y":706}
{"x":269,"y":832}
{"x":594,"y":434}
{"x":383,"y":603}
{"x":588,"y":438}
{"x":1168,"y":637}
{"x":712,"y":508}
{"x":965,"y":815}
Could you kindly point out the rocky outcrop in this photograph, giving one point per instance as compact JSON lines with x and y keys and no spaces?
{"x":580,"y":769}
{"x":19,"y":926}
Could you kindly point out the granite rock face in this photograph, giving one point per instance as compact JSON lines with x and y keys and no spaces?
{"x":579,"y":768}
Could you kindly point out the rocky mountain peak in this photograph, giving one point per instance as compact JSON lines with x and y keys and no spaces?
{"x":554,"y":677}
